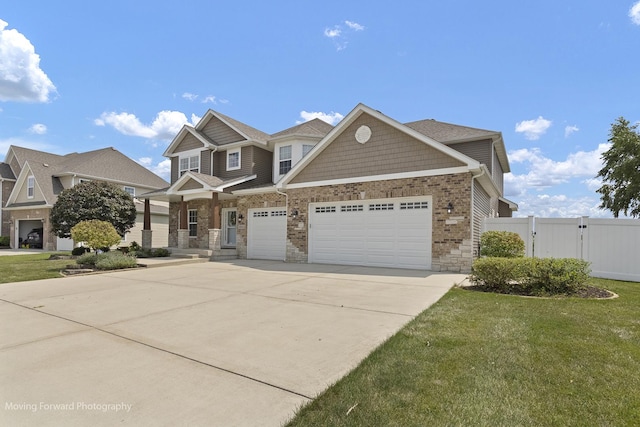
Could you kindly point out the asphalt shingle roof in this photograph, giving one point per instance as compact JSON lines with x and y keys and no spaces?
{"x":448,"y":132}
{"x":315,"y":127}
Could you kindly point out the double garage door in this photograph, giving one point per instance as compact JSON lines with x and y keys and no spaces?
{"x":381,"y":233}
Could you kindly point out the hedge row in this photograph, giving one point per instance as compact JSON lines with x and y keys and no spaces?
{"x":107,"y":261}
{"x":533,"y":276}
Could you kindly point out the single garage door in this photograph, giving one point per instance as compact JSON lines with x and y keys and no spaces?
{"x":267,"y":233}
{"x":382,"y":233}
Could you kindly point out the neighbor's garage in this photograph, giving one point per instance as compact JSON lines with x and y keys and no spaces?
{"x":380,"y":233}
{"x":267,"y":233}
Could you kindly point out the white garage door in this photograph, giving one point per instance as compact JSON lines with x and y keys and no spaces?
{"x":267,"y":233}
{"x":385,"y":233}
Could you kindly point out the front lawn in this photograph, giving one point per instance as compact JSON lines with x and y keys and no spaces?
{"x":18,"y":268}
{"x":483,"y":359}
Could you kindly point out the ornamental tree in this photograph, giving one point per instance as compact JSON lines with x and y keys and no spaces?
{"x":92,"y":200}
{"x":620,"y":190}
{"x":98,"y":234}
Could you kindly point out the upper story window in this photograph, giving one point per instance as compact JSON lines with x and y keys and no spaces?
{"x":130,"y":190}
{"x":233,"y":159}
{"x":285,"y":159}
{"x":189,"y":164}
{"x":306,"y":148}
{"x":31,"y":184}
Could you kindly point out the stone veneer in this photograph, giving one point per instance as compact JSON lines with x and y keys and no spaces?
{"x":201,"y":241}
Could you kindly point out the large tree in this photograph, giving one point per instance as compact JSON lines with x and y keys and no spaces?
{"x":620,"y":190}
{"x":93,"y":200}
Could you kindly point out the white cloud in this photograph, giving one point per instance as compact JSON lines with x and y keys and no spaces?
{"x":568,"y":130}
{"x":189,"y":96}
{"x":533,"y":129}
{"x":354,"y":25}
{"x":21,"y":78}
{"x":195,"y":119}
{"x":543,"y":172}
{"x":332,"y":118}
{"x":164,"y":127}
{"x":560,"y":206}
{"x":209,"y":98}
{"x":38,"y":129}
{"x":634,"y":13}
{"x":162,"y":169}
{"x":333,"y":32}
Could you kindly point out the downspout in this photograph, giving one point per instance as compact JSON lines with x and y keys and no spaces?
{"x":286,"y":208}
{"x":473,"y":178}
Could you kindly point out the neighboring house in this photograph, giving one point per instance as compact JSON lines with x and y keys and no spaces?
{"x":369,"y":191}
{"x":31,"y":181}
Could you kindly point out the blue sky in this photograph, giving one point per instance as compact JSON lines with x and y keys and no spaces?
{"x":551,"y":76}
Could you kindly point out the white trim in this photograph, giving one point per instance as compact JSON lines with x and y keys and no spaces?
{"x":31,"y":180}
{"x":133,"y":194}
{"x":180,"y":136}
{"x":259,"y":190}
{"x":401,"y":175}
{"x":189,"y":155}
{"x":189,"y":222}
{"x":350,"y":118}
{"x":229,"y":152}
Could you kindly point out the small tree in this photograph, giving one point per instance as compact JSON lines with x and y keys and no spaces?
{"x":97,"y":234}
{"x":503,"y":244}
{"x":620,"y":190}
{"x":93,"y":200}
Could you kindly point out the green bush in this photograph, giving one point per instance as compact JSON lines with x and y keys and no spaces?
{"x":160,"y":252}
{"x":498,"y":274}
{"x":80,"y":250}
{"x":531,"y":276}
{"x":115,"y":261}
{"x":4,"y":240}
{"x":506,"y":244}
{"x":87,"y":259}
{"x":97,"y":234}
{"x":556,"y":275}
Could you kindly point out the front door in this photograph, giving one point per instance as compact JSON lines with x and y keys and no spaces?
{"x":229,"y":217}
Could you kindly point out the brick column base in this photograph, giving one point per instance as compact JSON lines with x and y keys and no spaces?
{"x":146,"y":239}
{"x":183,"y":239}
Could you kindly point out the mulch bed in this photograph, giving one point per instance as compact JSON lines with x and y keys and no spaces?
{"x":586,"y":292}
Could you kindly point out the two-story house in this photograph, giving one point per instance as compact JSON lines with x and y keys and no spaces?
{"x":369,"y":191}
{"x":30,"y":181}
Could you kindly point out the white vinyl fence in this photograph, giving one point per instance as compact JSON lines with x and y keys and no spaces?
{"x":612,"y":246}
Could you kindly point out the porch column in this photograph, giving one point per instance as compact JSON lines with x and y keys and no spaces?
{"x":183,"y":230}
{"x":214,"y":222}
{"x":146,"y":228}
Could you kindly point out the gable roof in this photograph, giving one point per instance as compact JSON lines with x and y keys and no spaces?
{"x":6,"y":172}
{"x":105,"y":164}
{"x":312,"y":128}
{"x":250,"y":133}
{"x":350,"y":118}
{"x":448,"y":133}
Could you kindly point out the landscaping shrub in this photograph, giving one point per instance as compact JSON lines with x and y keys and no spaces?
{"x":4,"y":240}
{"x":498,"y":274}
{"x":97,"y":234}
{"x":115,"y":261}
{"x":556,"y":275}
{"x":506,"y":244}
{"x":87,"y":259}
{"x":531,"y":276}
{"x":161,"y":252}
{"x":80,"y":250}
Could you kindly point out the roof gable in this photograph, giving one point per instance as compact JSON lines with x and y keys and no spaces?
{"x":312,"y":128}
{"x":393,"y":148}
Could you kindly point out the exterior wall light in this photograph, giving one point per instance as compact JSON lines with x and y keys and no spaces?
{"x":240,"y":218}
{"x":449,"y":208}
{"x":294,"y":213}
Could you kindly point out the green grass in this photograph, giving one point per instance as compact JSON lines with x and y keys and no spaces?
{"x":483,"y":359}
{"x":18,"y":268}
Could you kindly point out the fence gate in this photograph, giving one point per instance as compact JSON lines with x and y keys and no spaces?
{"x":612,"y":246}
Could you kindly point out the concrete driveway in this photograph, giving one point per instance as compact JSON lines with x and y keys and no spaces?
{"x":233,"y":343}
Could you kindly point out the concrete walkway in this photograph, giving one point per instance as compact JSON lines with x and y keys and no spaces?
{"x":233,"y":343}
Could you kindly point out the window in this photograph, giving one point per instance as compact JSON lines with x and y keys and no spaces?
{"x":193,"y":222}
{"x":189,"y":164}
{"x":233,"y":160}
{"x":130,"y":190}
{"x":31,"y":183}
{"x":306,"y":148}
{"x":285,"y":159}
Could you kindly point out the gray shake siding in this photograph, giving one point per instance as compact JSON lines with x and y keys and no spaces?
{"x":220,"y":133}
